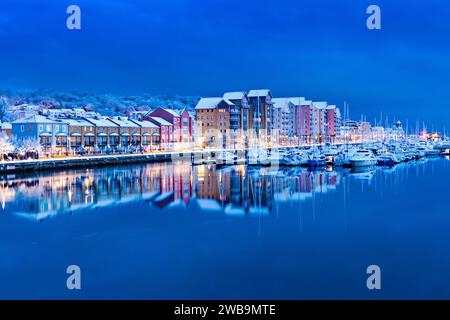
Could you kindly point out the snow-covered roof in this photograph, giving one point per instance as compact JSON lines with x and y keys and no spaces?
{"x":123,"y":122}
{"x":321,"y":104}
{"x":211,"y":103}
{"x":331,"y":107}
{"x":34,"y":119}
{"x":280,"y":102}
{"x":6,"y":126}
{"x":237,"y":95}
{"x":77,"y":122}
{"x":299,"y":101}
{"x":145,"y":124}
{"x":259,"y":93}
{"x":161,"y":121}
{"x":173,"y":112}
{"x":101,"y":122}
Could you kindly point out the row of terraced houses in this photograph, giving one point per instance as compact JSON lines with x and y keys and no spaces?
{"x":256,"y":118}
{"x":63,"y":131}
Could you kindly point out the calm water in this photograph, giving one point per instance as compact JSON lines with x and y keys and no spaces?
{"x":172,"y":231}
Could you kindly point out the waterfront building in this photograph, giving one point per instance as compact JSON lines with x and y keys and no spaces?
{"x":282,"y":121}
{"x":182,"y":125}
{"x":302,"y":119}
{"x":333,"y":123}
{"x":318,"y":121}
{"x":81,"y":134}
{"x":165,"y":132}
{"x":106,"y":132}
{"x":239,"y":118}
{"x":213,"y":122}
{"x":349,"y":131}
{"x":129,"y":132}
{"x":149,"y":132}
{"x":378,"y":134}
{"x":260,"y":116}
{"x":51,"y":134}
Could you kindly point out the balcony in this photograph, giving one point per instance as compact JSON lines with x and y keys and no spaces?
{"x":235,"y":111}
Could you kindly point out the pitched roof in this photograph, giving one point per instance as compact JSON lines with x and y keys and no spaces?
{"x":280,"y":102}
{"x":161,"y":121}
{"x":34,"y":119}
{"x":321,"y":104}
{"x":300,"y":101}
{"x":211,"y":103}
{"x":76,"y":122}
{"x":173,"y":112}
{"x":237,"y":95}
{"x":145,"y":124}
{"x":259,"y":93}
{"x":101,"y":122}
{"x":123,"y":122}
{"x":6,"y":126}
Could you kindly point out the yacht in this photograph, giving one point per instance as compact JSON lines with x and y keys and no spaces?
{"x":388,"y":159}
{"x":258,"y":157}
{"x":363,"y":158}
{"x":317,"y":160}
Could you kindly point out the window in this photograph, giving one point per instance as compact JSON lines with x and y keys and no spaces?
{"x":22,"y":128}
{"x":89,"y":141}
{"x":56,"y":127}
{"x":102,"y":141}
{"x":75,"y":142}
{"x":41,"y":128}
{"x":61,"y":141}
{"x":124,"y":140}
{"x":49,"y":128}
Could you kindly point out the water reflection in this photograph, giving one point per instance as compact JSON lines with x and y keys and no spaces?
{"x":236,"y":190}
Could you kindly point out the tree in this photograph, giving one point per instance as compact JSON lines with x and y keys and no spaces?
{"x":3,"y":108}
{"x":5,"y":147}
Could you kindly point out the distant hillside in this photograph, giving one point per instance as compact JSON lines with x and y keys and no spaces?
{"x":105,"y":104}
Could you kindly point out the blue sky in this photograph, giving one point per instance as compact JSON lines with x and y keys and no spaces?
{"x":320,"y":49}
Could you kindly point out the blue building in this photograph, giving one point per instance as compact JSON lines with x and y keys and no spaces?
{"x":52,"y":134}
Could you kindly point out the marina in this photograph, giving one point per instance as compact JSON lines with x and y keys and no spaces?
{"x":146,"y":223}
{"x":316,"y":156}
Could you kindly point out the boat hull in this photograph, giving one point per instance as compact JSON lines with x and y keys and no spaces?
{"x":363,"y":163}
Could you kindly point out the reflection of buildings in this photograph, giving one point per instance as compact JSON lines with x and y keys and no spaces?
{"x":236,"y":190}
{"x":64,"y":192}
{"x":239,"y":191}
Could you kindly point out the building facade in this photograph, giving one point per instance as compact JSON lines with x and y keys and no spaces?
{"x":182,"y":123}
{"x":50,"y":133}
{"x":260,"y":116}
{"x":239,"y":118}
{"x":213,"y":123}
{"x":106,"y":132}
{"x":165,"y":132}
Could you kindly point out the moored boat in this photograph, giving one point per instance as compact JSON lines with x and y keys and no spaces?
{"x":363,"y":158}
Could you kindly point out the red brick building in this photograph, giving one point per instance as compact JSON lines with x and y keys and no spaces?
{"x":181,"y":122}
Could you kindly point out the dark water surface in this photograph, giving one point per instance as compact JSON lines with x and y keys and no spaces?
{"x":172,"y":231}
